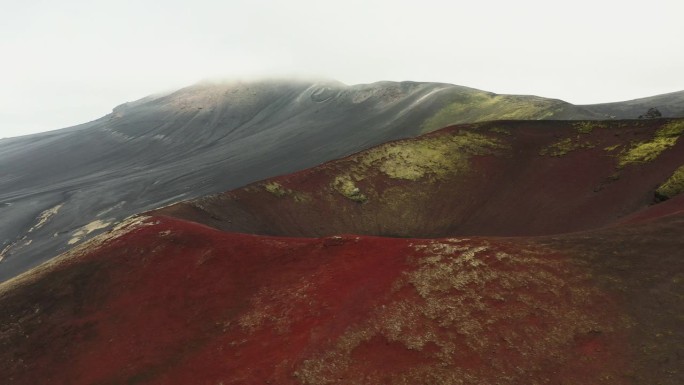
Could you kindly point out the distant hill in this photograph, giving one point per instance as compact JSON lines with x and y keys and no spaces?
{"x":60,"y":188}
{"x":670,"y":106}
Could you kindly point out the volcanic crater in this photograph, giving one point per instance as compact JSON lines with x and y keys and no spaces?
{"x":502,"y":178}
{"x":493,"y":253}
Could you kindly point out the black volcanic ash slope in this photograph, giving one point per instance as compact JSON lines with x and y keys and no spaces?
{"x":670,"y":106}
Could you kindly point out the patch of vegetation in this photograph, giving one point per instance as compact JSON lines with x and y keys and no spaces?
{"x":672,"y":187}
{"x":481,"y":107}
{"x":345,"y":186}
{"x":643,"y":152}
{"x":434,"y":157}
{"x":586,"y":127}
{"x":278,"y":190}
{"x":671,"y":129}
{"x":564,"y":146}
{"x":500,"y":130}
{"x":275,"y":188}
{"x":612,"y":148}
{"x":664,"y":138}
{"x":455,"y":280}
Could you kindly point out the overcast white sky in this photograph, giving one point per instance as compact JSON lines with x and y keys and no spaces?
{"x":70,"y":61}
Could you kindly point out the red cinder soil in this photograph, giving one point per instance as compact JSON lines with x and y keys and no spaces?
{"x":674,"y":206}
{"x":173,"y":302}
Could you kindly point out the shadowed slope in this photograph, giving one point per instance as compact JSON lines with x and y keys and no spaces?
{"x":498,"y":178}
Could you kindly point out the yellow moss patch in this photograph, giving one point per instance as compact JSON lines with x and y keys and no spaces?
{"x":275,"y":188}
{"x":673,"y":186}
{"x":646,"y":151}
{"x":483,"y":106}
{"x":345,"y":186}
{"x":564,"y":146}
{"x":412,"y":163}
{"x":436,"y":157}
{"x":456,"y":313}
{"x":642,"y":152}
{"x":612,"y":148}
{"x":500,"y":130}
{"x":671,"y":129}
{"x":278,"y":190}
{"x":431,"y":158}
{"x":586,"y":127}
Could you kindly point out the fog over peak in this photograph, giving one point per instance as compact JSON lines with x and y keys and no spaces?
{"x":70,"y":62}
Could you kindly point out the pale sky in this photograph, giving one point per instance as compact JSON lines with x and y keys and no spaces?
{"x":71,"y":61}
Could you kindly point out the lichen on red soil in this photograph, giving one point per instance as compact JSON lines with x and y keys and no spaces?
{"x":673,"y":186}
{"x":463,"y":180}
{"x":663,"y":139}
{"x":470,"y":312}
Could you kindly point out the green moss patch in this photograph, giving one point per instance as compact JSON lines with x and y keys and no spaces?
{"x":426,"y":159}
{"x":646,"y":151}
{"x":612,"y":148}
{"x":642,"y":152}
{"x":275,"y":189}
{"x":564,"y":146}
{"x":278,"y":190}
{"x":673,"y":186}
{"x":435,"y":157}
{"x":500,"y":130}
{"x":587,"y":127}
{"x":346,"y":186}
{"x":671,"y":129}
{"x":483,"y":106}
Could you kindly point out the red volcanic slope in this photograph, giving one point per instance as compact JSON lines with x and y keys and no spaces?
{"x":164,"y":300}
{"x":499,"y":178}
{"x":174,"y":302}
